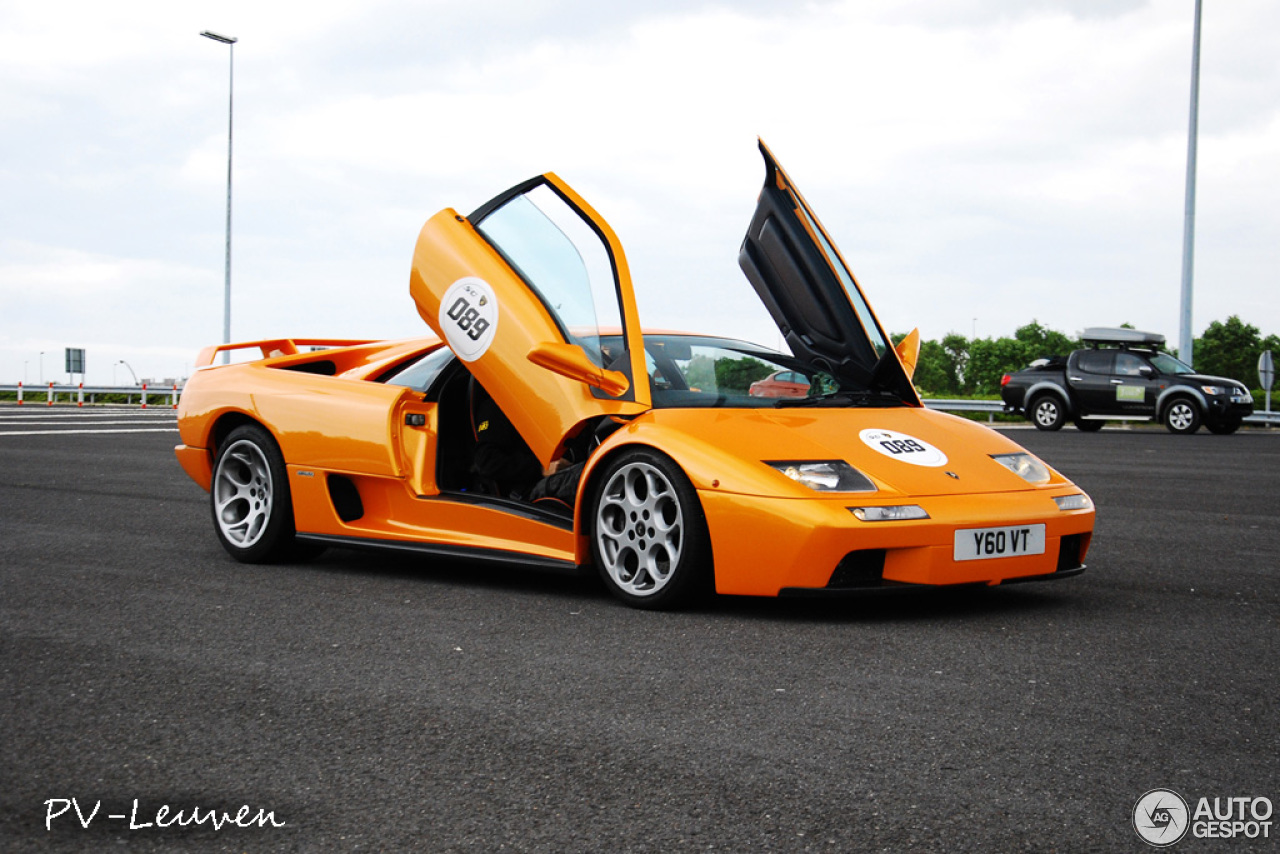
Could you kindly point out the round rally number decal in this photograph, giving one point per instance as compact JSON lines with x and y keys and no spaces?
{"x":469,"y":317}
{"x":900,"y":446}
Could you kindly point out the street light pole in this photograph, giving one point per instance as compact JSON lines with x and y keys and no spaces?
{"x":1185,"y":339}
{"x":130,"y":367}
{"x":230,"y":42}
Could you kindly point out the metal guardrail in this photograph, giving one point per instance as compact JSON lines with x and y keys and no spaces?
{"x":996,"y":407}
{"x":46,"y":394}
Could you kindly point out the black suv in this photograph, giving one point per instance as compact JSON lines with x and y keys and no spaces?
{"x":1124,"y":376}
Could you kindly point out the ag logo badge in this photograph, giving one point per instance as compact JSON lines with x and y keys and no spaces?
{"x":469,"y":317}
{"x":900,"y":446}
{"x":1161,"y":818}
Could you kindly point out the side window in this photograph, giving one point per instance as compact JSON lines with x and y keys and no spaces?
{"x":553,"y":248}
{"x":420,"y":374}
{"x":1095,"y":361}
{"x":1129,"y":365}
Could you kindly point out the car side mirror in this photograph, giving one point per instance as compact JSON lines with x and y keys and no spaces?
{"x":909,"y":351}
{"x":1147,"y":371}
{"x":570,"y":360}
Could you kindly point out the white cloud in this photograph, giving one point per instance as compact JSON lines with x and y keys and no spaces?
{"x":987,"y":158}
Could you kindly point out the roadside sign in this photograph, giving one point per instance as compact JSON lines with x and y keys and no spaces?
{"x":1266,"y":370}
{"x":75,"y":361}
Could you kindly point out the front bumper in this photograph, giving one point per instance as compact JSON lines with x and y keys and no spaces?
{"x":763,"y":546}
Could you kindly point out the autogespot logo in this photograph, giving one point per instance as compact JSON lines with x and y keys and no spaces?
{"x":1160,"y":817}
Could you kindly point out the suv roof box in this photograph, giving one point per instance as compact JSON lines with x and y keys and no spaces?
{"x":1111,"y":335}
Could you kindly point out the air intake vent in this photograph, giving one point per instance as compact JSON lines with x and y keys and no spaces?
{"x":858,"y":569}
{"x":345,"y":498}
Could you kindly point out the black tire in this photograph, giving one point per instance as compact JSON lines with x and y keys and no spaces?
{"x":1047,"y":412}
{"x":1225,"y":426}
{"x":1182,"y":416}
{"x":249,"y":498}
{"x":1089,"y":425}
{"x":649,"y":536}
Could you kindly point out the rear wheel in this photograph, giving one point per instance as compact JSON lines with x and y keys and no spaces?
{"x":249,"y":498}
{"x":1182,"y":416}
{"x":649,"y":537}
{"x":1047,"y":412}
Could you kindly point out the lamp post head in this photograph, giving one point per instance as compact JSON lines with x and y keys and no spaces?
{"x":209,"y":34}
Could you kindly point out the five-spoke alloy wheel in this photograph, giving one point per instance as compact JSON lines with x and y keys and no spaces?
{"x":649,"y":536}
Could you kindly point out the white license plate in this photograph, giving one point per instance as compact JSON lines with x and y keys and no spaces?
{"x":985,"y":543}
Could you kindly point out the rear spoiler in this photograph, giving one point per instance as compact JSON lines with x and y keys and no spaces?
{"x":273,"y":347}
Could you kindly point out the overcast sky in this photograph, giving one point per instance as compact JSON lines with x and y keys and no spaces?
{"x":980,"y":163}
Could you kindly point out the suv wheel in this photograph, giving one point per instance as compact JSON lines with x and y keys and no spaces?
{"x":1047,"y":412}
{"x":1227,"y":425}
{"x":1182,"y":416}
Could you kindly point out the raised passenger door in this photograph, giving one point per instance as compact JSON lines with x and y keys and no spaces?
{"x":523,"y":291}
{"x":812,"y":296}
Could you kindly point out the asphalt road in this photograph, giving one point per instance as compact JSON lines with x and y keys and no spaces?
{"x":377,"y":703}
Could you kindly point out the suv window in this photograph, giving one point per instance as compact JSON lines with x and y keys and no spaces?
{"x":1129,"y":365}
{"x":1166,"y":364}
{"x":1095,"y":361}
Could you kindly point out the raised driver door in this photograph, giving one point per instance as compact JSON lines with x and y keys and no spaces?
{"x":522,"y":291}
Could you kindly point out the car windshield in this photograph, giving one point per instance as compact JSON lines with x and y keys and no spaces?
{"x":1166,"y":364}
{"x":687,"y":371}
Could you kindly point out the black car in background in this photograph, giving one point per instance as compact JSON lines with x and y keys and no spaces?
{"x":1124,"y":376}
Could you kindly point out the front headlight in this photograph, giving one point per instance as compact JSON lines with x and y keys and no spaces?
{"x":1213,"y":390}
{"x":1024,"y":466}
{"x":824,"y":475}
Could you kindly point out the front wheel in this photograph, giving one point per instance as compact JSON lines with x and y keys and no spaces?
{"x":649,"y":536}
{"x":1089,"y":425}
{"x":1182,"y":416}
{"x":1048,"y":413}
{"x":1224,"y":427}
{"x":252,"y":509}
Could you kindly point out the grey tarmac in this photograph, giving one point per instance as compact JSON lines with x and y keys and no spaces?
{"x":384,"y":703}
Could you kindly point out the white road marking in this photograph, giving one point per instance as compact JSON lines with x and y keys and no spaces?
{"x":65,"y":432}
{"x":61,"y":420}
{"x":64,"y":421}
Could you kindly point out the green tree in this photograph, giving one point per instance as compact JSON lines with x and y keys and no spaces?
{"x":955,"y":349}
{"x":935,"y":371}
{"x":1229,"y":349}
{"x":990,"y":359}
{"x":1043,"y":342}
{"x":735,"y":376}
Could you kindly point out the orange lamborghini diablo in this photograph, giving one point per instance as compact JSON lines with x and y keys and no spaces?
{"x":539,"y":425}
